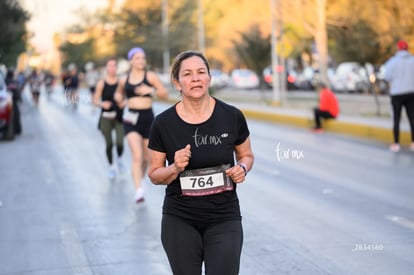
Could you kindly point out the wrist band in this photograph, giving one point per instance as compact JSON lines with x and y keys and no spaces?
{"x":242,"y":165}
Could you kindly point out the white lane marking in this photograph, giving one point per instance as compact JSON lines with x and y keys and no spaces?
{"x":401,"y":221}
{"x":75,"y":254}
{"x":1,"y":204}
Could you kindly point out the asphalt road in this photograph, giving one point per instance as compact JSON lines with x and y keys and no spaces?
{"x":313,"y":204}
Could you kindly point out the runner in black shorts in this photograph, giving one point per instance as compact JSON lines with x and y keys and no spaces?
{"x":139,"y":88}
{"x":142,"y":127}
{"x":200,"y":148}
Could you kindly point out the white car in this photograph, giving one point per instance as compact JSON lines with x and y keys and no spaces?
{"x":219,"y":79}
{"x":244,"y":79}
{"x":350,"y":77}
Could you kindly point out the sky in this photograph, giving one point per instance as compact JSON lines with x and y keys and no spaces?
{"x":50,"y":16}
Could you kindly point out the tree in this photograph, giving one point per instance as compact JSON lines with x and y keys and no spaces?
{"x":225,"y":20}
{"x":306,"y":11}
{"x":13,"y":35}
{"x":358,"y":42}
{"x":139,"y":24}
{"x":77,"y":53}
{"x":305,"y":25}
{"x":91,"y":40}
{"x":140,"y":28}
{"x":253,"y":49}
{"x":183,"y":27}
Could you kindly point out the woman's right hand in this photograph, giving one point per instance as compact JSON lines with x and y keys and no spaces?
{"x":106,"y":105}
{"x":182,"y":158}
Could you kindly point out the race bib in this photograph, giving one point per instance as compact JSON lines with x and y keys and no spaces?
{"x":205,"y":181}
{"x":130,"y":117}
{"x":109,"y":114}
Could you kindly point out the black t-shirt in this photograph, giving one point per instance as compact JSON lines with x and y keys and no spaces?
{"x":73,"y":82}
{"x":212,"y":144}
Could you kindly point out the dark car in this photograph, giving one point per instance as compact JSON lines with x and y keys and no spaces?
{"x":7,"y":121}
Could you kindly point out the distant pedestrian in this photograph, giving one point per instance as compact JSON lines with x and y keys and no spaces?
{"x":13,"y":86}
{"x":35,"y":83}
{"x":49,"y":81}
{"x":200,"y":149}
{"x":21,"y":78}
{"x":139,"y":87}
{"x":328,"y":106}
{"x":399,"y":73}
{"x":65,"y":79}
{"x":111,"y":116}
{"x":71,"y":86}
{"x":92,"y":76}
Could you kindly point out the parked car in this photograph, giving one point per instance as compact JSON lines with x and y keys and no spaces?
{"x":305,"y":79}
{"x":219,"y":79}
{"x":376,"y":77}
{"x":315,"y":76}
{"x":290,"y":77}
{"x":350,"y":77}
{"x":6,"y":111}
{"x":244,"y":79}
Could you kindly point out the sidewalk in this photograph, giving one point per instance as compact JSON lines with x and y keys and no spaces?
{"x":357,"y":116}
{"x":378,"y":129}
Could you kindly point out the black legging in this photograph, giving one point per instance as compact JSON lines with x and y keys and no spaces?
{"x":187,"y":245}
{"x":397,"y":102}
{"x":106,"y":126}
{"x":318,"y":114}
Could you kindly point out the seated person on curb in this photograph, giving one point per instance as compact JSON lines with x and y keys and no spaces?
{"x":328,"y":106}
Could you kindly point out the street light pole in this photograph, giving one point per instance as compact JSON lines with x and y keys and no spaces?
{"x":201,"y":38}
{"x":165,"y":35}
{"x":277,"y":99}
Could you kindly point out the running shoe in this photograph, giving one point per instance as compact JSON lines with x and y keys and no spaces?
{"x":121,"y":166}
{"x":411,"y":147}
{"x":139,"y":195}
{"x":395,"y":147}
{"x":317,"y":130}
{"x":112,"y":172}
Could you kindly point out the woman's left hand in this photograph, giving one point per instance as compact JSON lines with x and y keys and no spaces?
{"x":236,"y":173}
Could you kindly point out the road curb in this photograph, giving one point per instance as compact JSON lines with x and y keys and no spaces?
{"x":371,"y":132}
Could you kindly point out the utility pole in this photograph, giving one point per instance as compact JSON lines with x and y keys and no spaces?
{"x":165,"y":35}
{"x":201,"y":38}
{"x":277,"y":98}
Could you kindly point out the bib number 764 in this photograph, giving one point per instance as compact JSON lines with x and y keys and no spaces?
{"x":202,"y":182}
{"x":205,"y":181}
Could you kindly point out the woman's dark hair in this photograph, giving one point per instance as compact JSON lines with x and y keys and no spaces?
{"x":176,"y":66}
{"x":111,"y":58}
